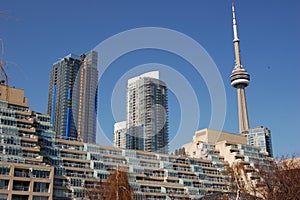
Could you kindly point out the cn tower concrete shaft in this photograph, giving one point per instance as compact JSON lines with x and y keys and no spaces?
{"x":242,"y":108}
{"x":239,"y":79}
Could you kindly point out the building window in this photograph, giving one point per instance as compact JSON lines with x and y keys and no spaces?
{"x":39,"y":198}
{"x":3,"y":196}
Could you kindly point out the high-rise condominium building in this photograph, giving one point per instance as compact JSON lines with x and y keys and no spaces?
{"x":260,"y":137}
{"x":72,"y":98}
{"x":147,"y":113}
{"x":120,"y":131}
{"x":23,"y":172}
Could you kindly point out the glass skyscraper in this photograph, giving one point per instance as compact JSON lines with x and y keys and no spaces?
{"x":260,"y":137}
{"x":72,"y":97}
{"x":147,"y":113}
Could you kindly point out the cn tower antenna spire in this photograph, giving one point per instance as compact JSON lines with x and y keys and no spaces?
{"x":236,"y":40}
{"x":239,"y":78}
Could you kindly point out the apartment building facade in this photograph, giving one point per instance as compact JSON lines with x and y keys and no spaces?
{"x":261,"y":137}
{"x":120,"y":131}
{"x":147,"y":113}
{"x":37,"y":164}
{"x":23,"y":174}
{"x":85,"y":166}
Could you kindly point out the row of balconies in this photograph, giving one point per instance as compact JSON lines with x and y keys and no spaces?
{"x":76,"y":165}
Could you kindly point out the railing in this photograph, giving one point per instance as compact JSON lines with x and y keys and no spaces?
{"x":172,"y":191}
{"x":66,"y":155}
{"x":20,"y":188}
{"x":20,"y":161}
{"x":151,"y":190}
{"x":154,"y":165}
{"x":3,"y":187}
{"x":64,"y":146}
{"x":37,"y":189}
{"x":92,"y":185}
{"x":65,"y":195}
{"x":4,"y":171}
{"x":21,"y":174}
{"x":25,"y":144}
{"x":75,"y":165}
{"x":27,"y":135}
{"x":31,"y":155}
{"x":80,"y":175}
{"x":62,"y":184}
{"x":182,"y":169}
{"x":187,"y":177}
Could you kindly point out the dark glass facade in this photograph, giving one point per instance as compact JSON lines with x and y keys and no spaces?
{"x":72,"y":98}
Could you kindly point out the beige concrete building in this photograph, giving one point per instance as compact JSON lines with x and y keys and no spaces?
{"x":229,"y":146}
{"x":23,"y":174}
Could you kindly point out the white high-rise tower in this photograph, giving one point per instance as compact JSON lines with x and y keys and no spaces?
{"x":147,"y":113}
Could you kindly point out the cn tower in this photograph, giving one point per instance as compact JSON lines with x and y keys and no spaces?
{"x":239,"y":79}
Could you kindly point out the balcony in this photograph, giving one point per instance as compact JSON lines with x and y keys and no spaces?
{"x":4,"y":184}
{"x":24,"y":174}
{"x":40,"y":187}
{"x":28,"y":137}
{"x":25,"y":121}
{"x":35,"y":149}
{"x":70,"y":141}
{"x":61,"y":184}
{"x":20,"y":188}
{"x":32,"y":157}
{"x":41,"y":173}
{"x":79,"y":160}
{"x":24,"y":112}
{"x":27,"y":130}
{"x":4,"y":170}
{"x":21,"y":185}
{"x":80,"y":175}
{"x":3,"y":187}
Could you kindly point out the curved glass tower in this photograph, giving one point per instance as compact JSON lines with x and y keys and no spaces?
{"x":72,"y":97}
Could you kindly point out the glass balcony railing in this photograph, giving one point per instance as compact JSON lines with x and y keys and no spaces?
{"x":37,"y":189}
{"x":3,"y":187}
{"x":20,"y":188}
{"x":21,"y":174}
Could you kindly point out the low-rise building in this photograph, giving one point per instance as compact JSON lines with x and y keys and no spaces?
{"x":232,"y":148}
{"x":36,"y":164}
{"x":227,"y":146}
{"x":80,"y":167}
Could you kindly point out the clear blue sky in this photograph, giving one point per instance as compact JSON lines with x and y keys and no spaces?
{"x":37,"y":33}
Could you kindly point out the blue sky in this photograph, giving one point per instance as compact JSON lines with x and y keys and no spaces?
{"x":37,"y":33}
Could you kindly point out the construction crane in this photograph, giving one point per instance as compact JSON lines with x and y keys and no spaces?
{"x":3,"y":75}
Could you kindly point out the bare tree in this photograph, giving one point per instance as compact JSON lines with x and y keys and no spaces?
{"x":277,"y":180}
{"x":115,"y":187}
{"x":281,"y":180}
{"x":242,"y":180}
